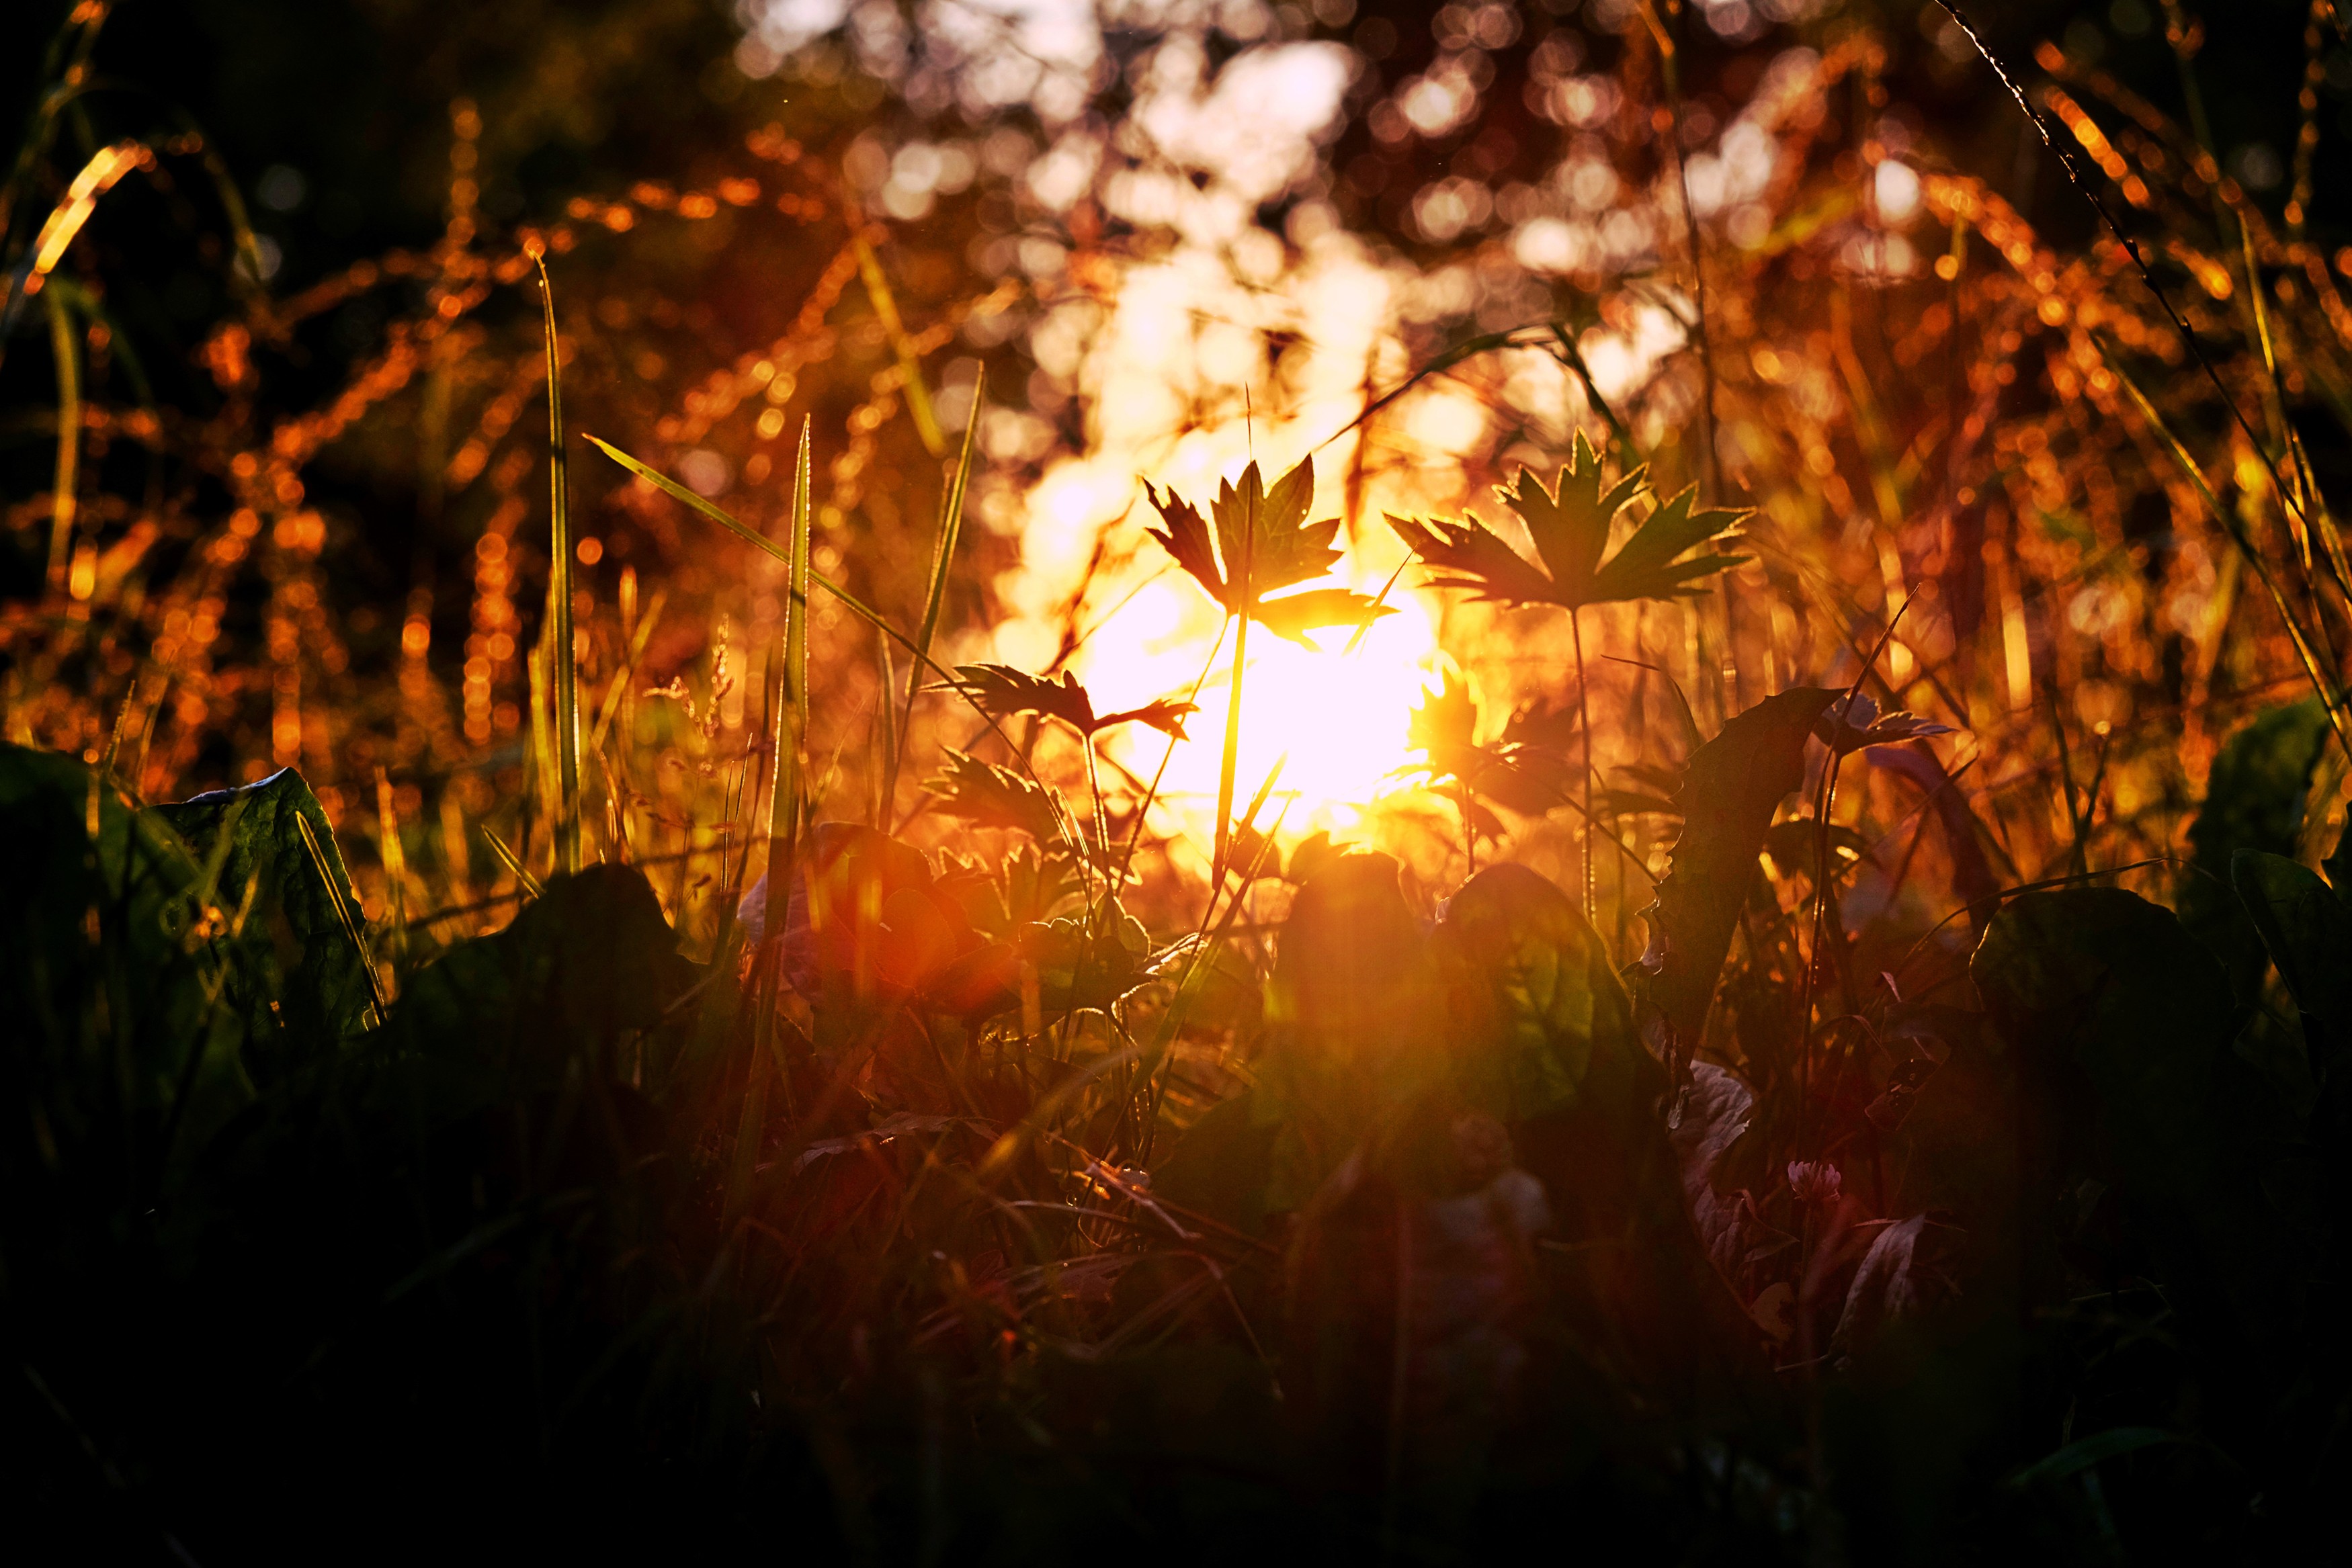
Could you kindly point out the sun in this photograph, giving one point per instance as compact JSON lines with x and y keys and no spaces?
{"x":1335,"y":719}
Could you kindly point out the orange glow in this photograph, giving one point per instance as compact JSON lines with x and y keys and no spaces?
{"x":1338,"y":718}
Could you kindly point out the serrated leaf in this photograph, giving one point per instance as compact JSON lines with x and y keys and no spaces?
{"x":1569,"y":525}
{"x":1262,"y":544}
{"x":1001,"y":691}
{"x":1854,"y":722}
{"x":987,"y":796}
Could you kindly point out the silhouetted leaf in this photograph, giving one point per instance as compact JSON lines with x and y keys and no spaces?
{"x":1262,"y":544}
{"x":1729,"y":792}
{"x":2102,"y":981}
{"x":589,"y":960}
{"x":2308,"y":931}
{"x":987,"y":796}
{"x":1570,"y":526}
{"x":1000,"y":691}
{"x":1854,"y":722}
{"x":1540,"y":1020}
{"x":300,"y":969}
{"x":2253,"y":800}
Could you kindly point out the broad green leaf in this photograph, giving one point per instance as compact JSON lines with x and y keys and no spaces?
{"x":1539,"y":1020}
{"x":301,"y":977}
{"x":2101,"y":983}
{"x":2253,"y":800}
{"x":2308,"y":930}
{"x":590,"y":959}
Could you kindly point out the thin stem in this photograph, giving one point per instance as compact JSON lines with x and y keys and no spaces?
{"x":1584,"y":724}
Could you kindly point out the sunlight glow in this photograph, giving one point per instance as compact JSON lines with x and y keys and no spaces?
{"x":1341,"y":718}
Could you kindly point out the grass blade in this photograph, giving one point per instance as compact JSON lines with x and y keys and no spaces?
{"x":935,"y":599}
{"x":67,"y":484}
{"x":563,"y":669}
{"x":847,"y":600}
{"x":886,"y":305}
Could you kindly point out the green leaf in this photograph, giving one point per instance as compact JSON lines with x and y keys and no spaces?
{"x":590,"y":959}
{"x":1729,"y":792}
{"x":1540,"y":1021}
{"x":2308,"y":930}
{"x":301,"y":977}
{"x":1640,"y":569}
{"x":2253,"y":800}
{"x":2100,"y":982}
{"x":1001,"y":691}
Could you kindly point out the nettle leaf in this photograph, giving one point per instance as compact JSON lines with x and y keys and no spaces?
{"x":2101,"y":983}
{"x":1729,"y":792}
{"x":2253,"y":800}
{"x":299,"y":971}
{"x":1001,"y":691}
{"x":1541,"y":1022}
{"x":1262,"y":543}
{"x":1854,"y":722}
{"x":987,"y":796}
{"x":1570,"y":526}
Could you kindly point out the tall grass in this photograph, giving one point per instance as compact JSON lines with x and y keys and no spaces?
{"x":974,"y":1159}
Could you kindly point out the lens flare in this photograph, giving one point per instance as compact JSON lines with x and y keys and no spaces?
{"x":1335,"y":719}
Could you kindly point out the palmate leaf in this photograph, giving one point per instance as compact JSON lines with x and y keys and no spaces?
{"x":1854,"y":722}
{"x":1569,"y":525}
{"x":1000,"y":691}
{"x":1261,"y":544}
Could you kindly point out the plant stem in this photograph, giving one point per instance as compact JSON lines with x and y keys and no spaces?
{"x":1584,"y":723}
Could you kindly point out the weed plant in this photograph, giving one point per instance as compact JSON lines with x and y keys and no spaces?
{"x":1829,"y":1053}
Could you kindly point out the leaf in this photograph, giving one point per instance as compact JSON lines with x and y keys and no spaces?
{"x":300,"y":972}
{"x":2084,"y":1452}
{"x":1729,"y":792}
{"x":1854,"y":722}
{"x":987,"y":796}
{"x":2308,"y":931}
{"x":1964,"y":836}
{"x":1266,"y":545}
{"x":1570,"y":526}
{"x":1465,"y":555}
{"x":1642,"y":566}
{"x":1443,"y":729}
{"x":1001,"y":691}
{"x":1315,"y":608}
{"x":2099,"y":981}
{"x":1165,"y":714}
{"x":1540,"y":1020}
{"x":1716,"y":1115}
{"x":2253,"y":800}
{"x":589,"y":960}
{"x":1883,"y":1289}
